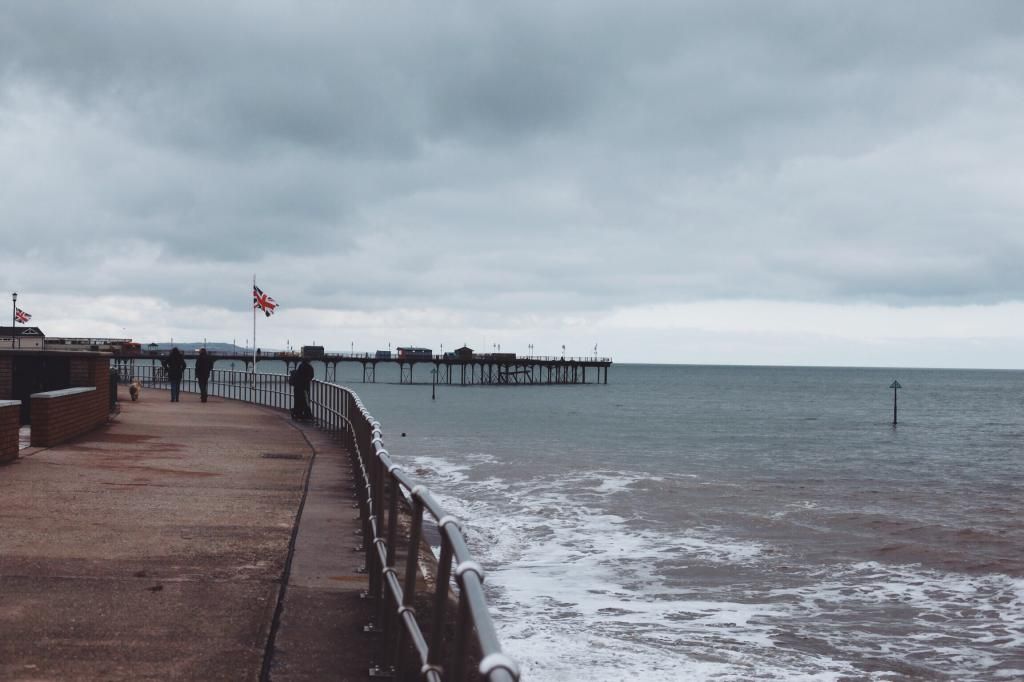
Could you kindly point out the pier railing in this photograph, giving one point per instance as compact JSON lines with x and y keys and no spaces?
{"x":391,"y":504}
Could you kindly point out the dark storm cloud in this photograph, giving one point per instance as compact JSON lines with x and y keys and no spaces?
{"x":574,"y":156}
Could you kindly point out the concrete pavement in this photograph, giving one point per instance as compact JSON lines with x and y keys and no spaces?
{"x":155,"y":547}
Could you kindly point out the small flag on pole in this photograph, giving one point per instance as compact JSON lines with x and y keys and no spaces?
{"x":21,"y":316}
{"x":262,"y":301}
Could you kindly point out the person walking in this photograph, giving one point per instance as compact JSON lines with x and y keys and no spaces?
{"x":204,"y":365}
{"x":302,"y":377}
{"x":175,"y":371}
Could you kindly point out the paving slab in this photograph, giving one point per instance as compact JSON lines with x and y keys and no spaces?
{"x":152,"y":548}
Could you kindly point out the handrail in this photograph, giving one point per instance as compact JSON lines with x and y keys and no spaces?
{"x":386,"y":493}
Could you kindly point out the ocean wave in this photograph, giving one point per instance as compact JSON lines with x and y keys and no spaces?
{"x":580,"y":592}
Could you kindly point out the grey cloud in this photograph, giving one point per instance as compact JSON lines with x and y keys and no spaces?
{"x":552,"y":157}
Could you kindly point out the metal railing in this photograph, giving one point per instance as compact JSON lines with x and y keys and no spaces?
{"x":391,"y":502}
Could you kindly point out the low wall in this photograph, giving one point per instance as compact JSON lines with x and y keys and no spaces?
{"x":58,"y":416}
{"x":9,"y":423}
{"x":24,"y":373}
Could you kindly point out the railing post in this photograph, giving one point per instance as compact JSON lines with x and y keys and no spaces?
{"x":409,"y":585}
{"x":461,"y":631}
{"x":412,"y":558}
{"x":385,"y":666}
{"x":444,"y":572}
{"x":392,"y":519}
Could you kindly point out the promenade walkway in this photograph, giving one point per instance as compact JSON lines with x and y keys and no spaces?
{"x":156,"y":547}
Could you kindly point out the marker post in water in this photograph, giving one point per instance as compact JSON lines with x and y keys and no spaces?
{"x":895,"y":386}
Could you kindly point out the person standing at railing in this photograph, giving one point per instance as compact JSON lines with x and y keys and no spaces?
{"x":175,"y":371}
{"x":301,"y":378}
{"x":204,"y":365}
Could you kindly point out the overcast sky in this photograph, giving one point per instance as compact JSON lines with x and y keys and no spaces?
{"x":727,"y":182}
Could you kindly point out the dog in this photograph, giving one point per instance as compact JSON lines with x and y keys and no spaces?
{"x":135,"y":389}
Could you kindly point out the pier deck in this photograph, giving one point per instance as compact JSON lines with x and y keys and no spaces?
{"x":155,"y":548}
{"x":474,"y":370}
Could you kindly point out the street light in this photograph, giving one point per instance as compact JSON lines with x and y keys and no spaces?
{"x":14,"y":311}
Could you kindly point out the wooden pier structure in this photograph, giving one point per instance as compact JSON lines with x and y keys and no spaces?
{"x":478,"y":369}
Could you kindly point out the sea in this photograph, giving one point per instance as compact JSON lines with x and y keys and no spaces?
{"x":735,"y":523}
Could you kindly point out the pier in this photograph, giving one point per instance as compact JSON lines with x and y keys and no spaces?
{"x":223,"y":540}
{"x":477,"y":369}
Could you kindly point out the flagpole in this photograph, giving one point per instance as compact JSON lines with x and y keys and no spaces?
{"x":14,"y":311}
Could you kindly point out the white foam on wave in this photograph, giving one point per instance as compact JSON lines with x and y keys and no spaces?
{"x":970,"y":626}
{"x":582,"y":594}
{"x":578,"y":594}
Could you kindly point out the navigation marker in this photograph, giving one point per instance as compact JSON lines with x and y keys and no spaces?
{"x":895,"y":386}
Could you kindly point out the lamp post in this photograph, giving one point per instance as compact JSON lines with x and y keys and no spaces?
{"x":563,"y":351}
{"x":14,"y":310}
{"x":351,"y":347}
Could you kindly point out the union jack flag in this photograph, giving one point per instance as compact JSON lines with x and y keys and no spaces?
{"x":21,"y":316}
{"x":262,"y":301}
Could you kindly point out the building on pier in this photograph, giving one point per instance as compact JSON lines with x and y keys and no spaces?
{"x":414,"y":353}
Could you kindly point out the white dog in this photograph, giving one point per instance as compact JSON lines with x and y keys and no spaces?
{"x":135,"y":389}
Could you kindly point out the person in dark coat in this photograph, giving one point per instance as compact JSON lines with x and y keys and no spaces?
{"x":175,"y":371}
{"x":302,"y":377}
{"x":204,"y":365}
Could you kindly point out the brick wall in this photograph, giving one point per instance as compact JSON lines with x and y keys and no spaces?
{"x":58,"y":416}
{"x":10,"y":411}
{"x":78,"y":371}
{"x":85,"y":370}
{"x":92,"y":371}
{"x":6,"y":377}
